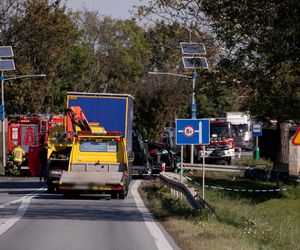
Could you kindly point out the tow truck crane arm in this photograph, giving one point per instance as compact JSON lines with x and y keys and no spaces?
{"x":75,"y":116}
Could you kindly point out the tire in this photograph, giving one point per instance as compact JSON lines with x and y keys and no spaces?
{"x":228,"y":161}
{"x":124,"y":192}
{"x":122,"y":195}
{"x":67,"y":195}
{"x":114,"y":195}
{"x":50,"y":188}
{"x":70,"y":195}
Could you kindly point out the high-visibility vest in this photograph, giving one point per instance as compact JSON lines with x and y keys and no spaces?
{"x":18,"y":154}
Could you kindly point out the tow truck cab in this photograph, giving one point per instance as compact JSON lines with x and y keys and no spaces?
{"x":98,"y":163}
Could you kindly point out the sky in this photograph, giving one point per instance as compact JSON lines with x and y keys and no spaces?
{"x":114,"y":8}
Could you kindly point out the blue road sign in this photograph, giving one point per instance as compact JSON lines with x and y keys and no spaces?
{"x":192,"y":132}
{"x":256,"y":129}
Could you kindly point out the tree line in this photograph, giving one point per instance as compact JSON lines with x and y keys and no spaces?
{"x":252,"y":51}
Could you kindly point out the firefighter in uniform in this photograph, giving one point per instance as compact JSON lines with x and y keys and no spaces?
{"x":18,"y":156}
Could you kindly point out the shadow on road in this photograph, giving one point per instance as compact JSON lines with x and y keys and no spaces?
{"x":83,"y":208}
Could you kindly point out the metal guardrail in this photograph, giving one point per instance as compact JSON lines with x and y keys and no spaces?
{"x":172,"y":180}
{"x":214,"y":167}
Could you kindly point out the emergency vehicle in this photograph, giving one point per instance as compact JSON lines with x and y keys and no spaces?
{"x":29,"y":132}
{"x":222,"y":145}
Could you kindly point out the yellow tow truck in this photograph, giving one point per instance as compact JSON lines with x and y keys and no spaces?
{"x":98,"y":164}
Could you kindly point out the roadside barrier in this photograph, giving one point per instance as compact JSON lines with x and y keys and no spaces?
{"x":239,"y":189}
{"x":172,"y":180}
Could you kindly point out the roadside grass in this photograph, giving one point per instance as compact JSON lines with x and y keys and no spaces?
{"x":242,"y":220}
{"x":250,"y":162}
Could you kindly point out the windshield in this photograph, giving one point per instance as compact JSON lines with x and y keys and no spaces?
{"x":99,"y":145}
{"x":240,"y":128}
{"x":220,"y":130}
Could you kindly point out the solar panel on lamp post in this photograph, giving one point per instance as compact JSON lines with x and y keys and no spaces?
{"x":193,"y":61}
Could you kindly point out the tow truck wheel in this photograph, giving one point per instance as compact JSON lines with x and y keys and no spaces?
{"x":122,"y":195}
{"x":50,"y":188}
{"x":114,"y":195}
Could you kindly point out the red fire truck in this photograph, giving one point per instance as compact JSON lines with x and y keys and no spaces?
{"x":30,"y":132}
{"x":222,"y":146}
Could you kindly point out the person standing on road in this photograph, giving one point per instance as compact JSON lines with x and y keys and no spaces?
{"x":43,"y":161}
{"x":18,"y":156}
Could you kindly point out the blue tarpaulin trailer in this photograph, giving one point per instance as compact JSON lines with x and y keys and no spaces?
{"x":114,"y":112}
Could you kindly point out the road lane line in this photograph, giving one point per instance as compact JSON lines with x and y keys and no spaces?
{"x":25,"y":202}
{"x":22,"y":198}
{"x":158,"y":236}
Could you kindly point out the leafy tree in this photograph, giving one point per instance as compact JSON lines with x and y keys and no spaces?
{"x":119,"y":53}
{"x":260,"y":61}
{"x":158,"y":103}
{"x":260,"y":42}
{"x":40,"y":36}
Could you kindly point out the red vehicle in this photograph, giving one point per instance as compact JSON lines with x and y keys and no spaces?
{"x":30,"y":132}
{"x":222,"y":146}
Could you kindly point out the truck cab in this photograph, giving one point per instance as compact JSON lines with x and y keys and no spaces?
{"x":222,"y":145}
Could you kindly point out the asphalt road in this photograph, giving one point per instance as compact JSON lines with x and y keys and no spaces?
{"x":31,"y":219}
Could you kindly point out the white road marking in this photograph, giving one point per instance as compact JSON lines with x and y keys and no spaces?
{"x":159,"y":238}
{"x":25,"y":201}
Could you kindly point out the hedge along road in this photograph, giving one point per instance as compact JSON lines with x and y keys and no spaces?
{"x":37,"y":220}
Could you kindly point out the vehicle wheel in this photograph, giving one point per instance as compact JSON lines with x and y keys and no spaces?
{"x":228,"y":161}
{"x":122,"y":195}
{"x":114,"y":195}
{"x":67,"y":195}
{"x":50,"y":189}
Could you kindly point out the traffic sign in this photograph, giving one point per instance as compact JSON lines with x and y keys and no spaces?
{"x":192,"y":132}
{"x":296,"y":137}
{"x":256,"y":129}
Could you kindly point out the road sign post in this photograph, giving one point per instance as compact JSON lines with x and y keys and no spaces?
{"x":256,"y":132}
{"x":193,"y":132}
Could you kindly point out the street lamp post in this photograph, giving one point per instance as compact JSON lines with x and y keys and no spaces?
{"x":192,"y":60}
{"x":194,"y":109}
{"x":3,"y":121}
